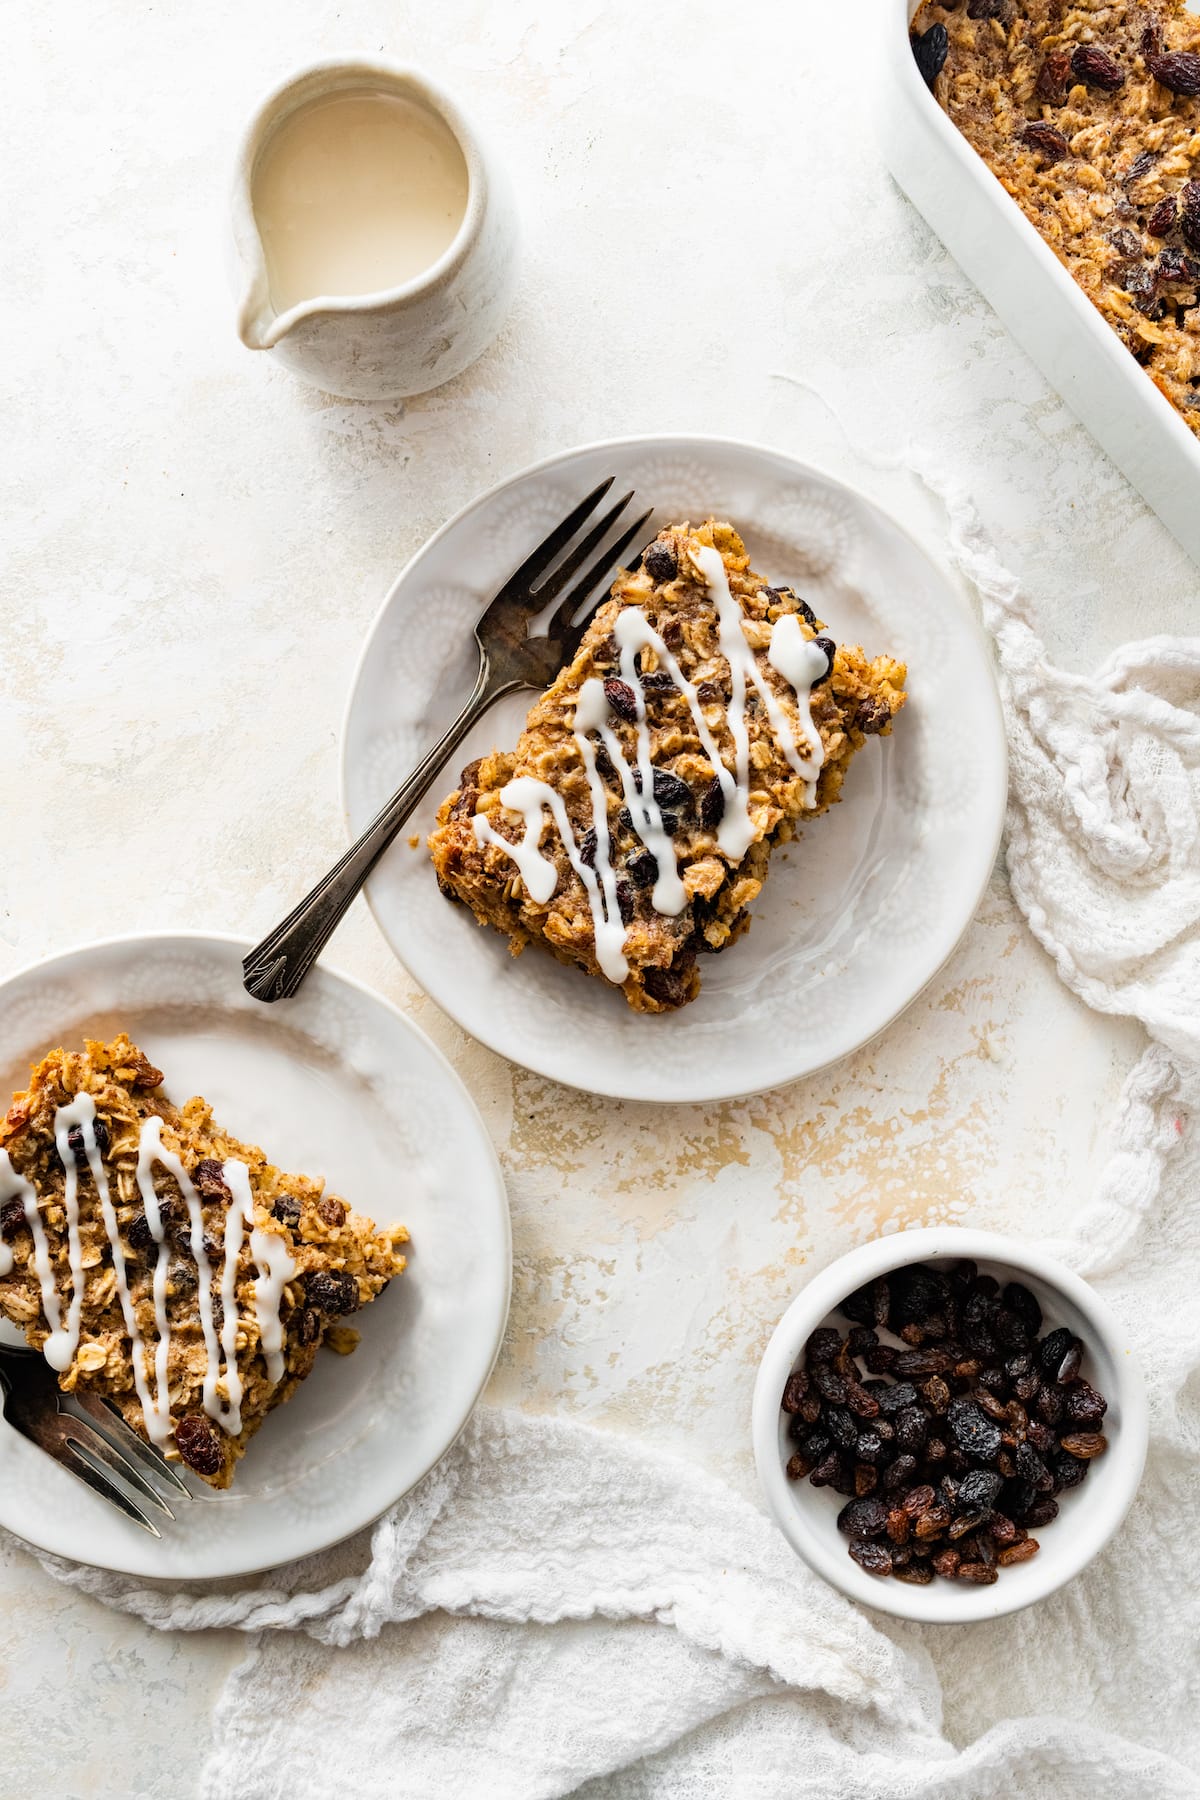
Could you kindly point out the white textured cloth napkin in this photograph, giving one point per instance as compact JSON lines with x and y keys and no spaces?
{"x":556,"y":1610}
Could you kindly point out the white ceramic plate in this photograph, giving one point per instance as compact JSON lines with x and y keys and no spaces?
{"x":335,"y":1083}
{"x":857,"y":915}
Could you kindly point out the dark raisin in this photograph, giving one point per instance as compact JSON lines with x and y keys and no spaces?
{"x":979,"y":1491}
{"x":1125,"y":244}
{"x":876,"y":1559}
{"x":973,"y":1433}
{"x":669,"y":790}
{"x":881,"y":1361}
{"x":1068,"y":1470}
{"x":287,"y":1211}
{"x":1189,"y":202}
{"x":310,"y":1326}
{"x":1049,"y":1403}
{"x":919,"y":1574}
{"x":866,"y":1479}
{"x":827,"y":1472}
{"x":1054,"y":76}
{"x":209,"y":1182}
{"x":332,"y":1291}
{"x":642,"y":869}
{"x":923,"y":1362}
{"x":587,"y":848}
{"x":1138,"y":281}
{"x":12,"y":1218}
{"x":1041,"y":1437}
{"x":931,"y":49}
{"x":621,"y":698}
{"x":935,"y":1451}
{"x":1178,"y":70}
{"x":985,"y":9}
{"x":982,"y":1574}
{"x":861,"y":1339}
{"x":139,"y":1233}
{"x":1003,"y":1530}
{"x":660,"y":561}
{"x":946,"y":1562}
{"x":1041,"y":1512}
{"x":712,"y":804}
{"x":898,"y":1474}
{"x":1141,"y":166}
{"x":823,"y":1344}
{"x":842,"y":1427}
{"x":895,"y":1398}
{"x":1174,"y":266}
{"x":1161,"y":222}
{"x":830,"y":648}
{"x":1068,"y":1368}
{"x":912,"y":1429}
{"x":965,"y":1524}
{"x":182,"y":1279}
{"x":1097,"y":68}
{"x":77,"y":1146}
{"x":794,"y":1392}
{"x":670,"y":987}
{"x":870,"y":1447}
{"x":860,"y":1400}
{"x":626,"y":904}
{"x":198,"y":1444}
{"x":1084,"y":1406}
{"x":1047,"y":140}
{"x":863,"y":1518}
{"x":660,"y":682}
{"x":1052,"y":1349}
{"x":830,"y":1382}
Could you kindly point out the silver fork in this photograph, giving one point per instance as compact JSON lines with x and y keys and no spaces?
{"x":93,"y":1448}
{"x":509,"y":659}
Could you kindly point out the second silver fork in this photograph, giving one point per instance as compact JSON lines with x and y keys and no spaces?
{"x":508,"y":659}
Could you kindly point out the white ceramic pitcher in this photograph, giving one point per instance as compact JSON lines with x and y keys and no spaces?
{"x":403,"y":340}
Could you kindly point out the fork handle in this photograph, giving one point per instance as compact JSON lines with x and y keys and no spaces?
{"x":274,"y":969}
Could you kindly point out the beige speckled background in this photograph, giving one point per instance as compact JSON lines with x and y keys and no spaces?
{"x":194,"y":547}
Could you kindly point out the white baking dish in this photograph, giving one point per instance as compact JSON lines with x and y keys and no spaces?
{"x":1050,"y":317}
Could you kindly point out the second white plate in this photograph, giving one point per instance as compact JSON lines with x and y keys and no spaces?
{"x":858,"y":914}
{"x":334,"y":1083}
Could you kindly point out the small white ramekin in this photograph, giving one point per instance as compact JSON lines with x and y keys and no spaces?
{"x":1090,"y":1513}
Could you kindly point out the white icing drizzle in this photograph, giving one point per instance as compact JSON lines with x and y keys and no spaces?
{"x":800,"y":662}
{"x":528,"y":797}
{"x":274,"y":1265}
{"x":15,"y":1187}
{"x":275,"y":1269}
{"x":60,"y":1347}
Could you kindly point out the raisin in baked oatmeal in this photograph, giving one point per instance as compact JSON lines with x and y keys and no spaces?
{"x":1089,"y":115}
{"x":163,"y":1265}
{"x":703,"y":718}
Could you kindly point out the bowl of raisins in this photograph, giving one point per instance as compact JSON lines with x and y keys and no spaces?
{"x":948,"y":1424}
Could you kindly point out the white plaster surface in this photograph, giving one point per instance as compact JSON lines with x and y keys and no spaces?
{"x":194,"y":546}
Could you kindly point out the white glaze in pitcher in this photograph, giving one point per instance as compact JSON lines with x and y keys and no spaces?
{"x":402,"y":340}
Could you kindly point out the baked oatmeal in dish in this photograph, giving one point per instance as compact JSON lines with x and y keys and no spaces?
{"x":163,"y":1265}
{"x":1090,"y":116}
{"x":705,"y":716}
